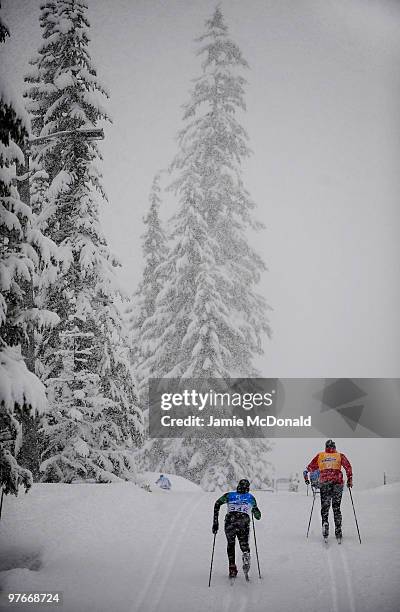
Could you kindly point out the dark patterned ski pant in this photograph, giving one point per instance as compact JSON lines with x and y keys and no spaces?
{"x":331,"y":491}
{"x":237,"y":524}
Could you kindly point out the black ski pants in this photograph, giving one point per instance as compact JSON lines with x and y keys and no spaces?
{"x":237,"y":524}
{"x":331,"y":492}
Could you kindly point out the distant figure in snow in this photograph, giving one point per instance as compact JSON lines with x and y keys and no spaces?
{"x":330,"y":464}
{"x":241,"y":503}
{"x":294,"y":483}
{"x":163,"y":482}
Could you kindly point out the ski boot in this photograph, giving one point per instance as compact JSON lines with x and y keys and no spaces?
{"x":246,"y":564}
{"x":232,"y":572}
{"x":325,"y":531}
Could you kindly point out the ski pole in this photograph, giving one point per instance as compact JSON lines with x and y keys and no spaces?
{"x":1,"y":502}
{"x":312,"y":508}
{"x":355,"y":516}
{"x":212,"y":559}
{"x":255,"y":545}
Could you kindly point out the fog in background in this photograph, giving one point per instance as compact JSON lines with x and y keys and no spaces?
{"x":323,"y":121}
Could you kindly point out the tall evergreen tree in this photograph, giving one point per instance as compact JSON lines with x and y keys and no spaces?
{"x":209,"y":319}
{"x":142,"y":308}
{"x":22,"y":249}
{"x":94,"y":418}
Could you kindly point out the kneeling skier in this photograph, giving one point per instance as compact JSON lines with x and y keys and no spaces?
{"x":237,"y":523}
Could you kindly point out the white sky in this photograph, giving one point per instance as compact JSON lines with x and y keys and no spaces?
{"x":323,"y":121}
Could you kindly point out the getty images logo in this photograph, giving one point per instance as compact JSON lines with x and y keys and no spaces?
{"x":345,"y":397}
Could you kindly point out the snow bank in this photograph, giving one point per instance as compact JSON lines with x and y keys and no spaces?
{"x":389,"y":490}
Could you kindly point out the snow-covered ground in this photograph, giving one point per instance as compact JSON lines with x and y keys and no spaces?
{"x":119,"y":548}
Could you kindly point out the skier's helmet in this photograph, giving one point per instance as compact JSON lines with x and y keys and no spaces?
{"x":243,"y":486}
{"x":330,"y":444}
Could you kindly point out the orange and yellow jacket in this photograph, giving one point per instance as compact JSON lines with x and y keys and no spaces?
{"x":330,"y":463}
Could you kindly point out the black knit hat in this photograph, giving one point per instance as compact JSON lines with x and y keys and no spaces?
{"x":330,"y":444}
{"x":243,"y":486}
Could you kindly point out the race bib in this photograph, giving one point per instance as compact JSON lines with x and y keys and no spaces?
{"x":329,"y":461}
{"x":240,"y":502}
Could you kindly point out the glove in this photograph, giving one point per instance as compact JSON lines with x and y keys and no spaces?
{"x":215,"y":527}
{"x":349,"y":482}
{"x":256,"y":513}
{"x":306,"y":481}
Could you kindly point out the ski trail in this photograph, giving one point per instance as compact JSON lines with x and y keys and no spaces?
{"x":172,"y":554}
{"x":341,"y":602}
{"x":236,"y":600}
{"x":227,"y":602}
{"x":156,"y":568}
{"x":243,"y":603}
{"x":333,"y":583}
{"x":349,"y":583}
{"x":253,"y":595}
{"x":240,"y":596}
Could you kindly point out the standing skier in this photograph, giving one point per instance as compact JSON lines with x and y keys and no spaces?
{"x":329,"y":464}
{"x":237,"y":523}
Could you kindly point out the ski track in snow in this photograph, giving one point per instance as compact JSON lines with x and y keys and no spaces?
{"x":236,"y":599}
{"x":172,"y":552}
{"x":349,"y":581}
{"x":342,"y":597}
{"x":332,"y":578}
{"x":170,"y":542}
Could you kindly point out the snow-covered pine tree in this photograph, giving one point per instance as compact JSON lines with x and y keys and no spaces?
{"x":41,"y":87}
{"x":84,"y":363}
{"x":209,"y":319}
{"x":32,"y":187}
{"x":142,"y":307}
{"x":21,"y":392}
{"x":92,"y":424}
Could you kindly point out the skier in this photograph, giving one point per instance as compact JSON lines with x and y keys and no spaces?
{"x":237,"y":523}
{"x":329,"y":464}
{"x":163,"y":482}
{"x":314,"y":479}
